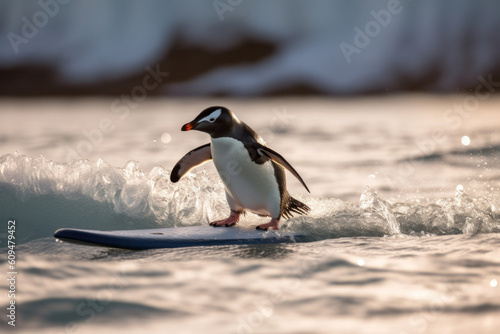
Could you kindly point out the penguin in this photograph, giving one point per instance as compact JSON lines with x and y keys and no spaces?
{"x":253,"y":174}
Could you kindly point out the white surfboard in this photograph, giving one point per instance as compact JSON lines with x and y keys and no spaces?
{"x":191,"y":236}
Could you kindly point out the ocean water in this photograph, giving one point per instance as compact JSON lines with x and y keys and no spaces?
{"x":404,"y":229}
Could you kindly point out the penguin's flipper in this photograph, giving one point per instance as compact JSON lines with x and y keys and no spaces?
{"x":276,"y":157}
{"x":192,"y":159}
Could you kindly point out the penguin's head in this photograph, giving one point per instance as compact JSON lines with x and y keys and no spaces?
{"x":214,"y":120}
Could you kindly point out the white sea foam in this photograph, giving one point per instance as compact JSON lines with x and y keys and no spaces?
{"x":47,"y":195}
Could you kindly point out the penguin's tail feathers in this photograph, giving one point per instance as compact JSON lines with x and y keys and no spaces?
{"x":293,"y":206}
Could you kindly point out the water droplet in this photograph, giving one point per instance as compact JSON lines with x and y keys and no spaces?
{"x":465,"y":140}
{"x":372,"y":176}
{"x":166,"y":138}
{"x":361,"y":262}
{"x":493,"y":283}
{"x":460,"y":188}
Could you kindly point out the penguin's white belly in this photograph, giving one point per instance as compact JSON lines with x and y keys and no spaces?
{"x":251,"y":186}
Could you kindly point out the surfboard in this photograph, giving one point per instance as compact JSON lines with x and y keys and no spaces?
{"x":190,"y":236}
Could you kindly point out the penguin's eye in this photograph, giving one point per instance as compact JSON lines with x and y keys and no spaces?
{"x":212,"y":117}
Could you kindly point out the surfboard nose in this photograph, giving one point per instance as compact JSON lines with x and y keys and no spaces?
{"x":62,"y":233}
{"x":59,"y":233}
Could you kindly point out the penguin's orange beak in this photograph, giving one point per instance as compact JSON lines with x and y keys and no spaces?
{"x":187,"y":127}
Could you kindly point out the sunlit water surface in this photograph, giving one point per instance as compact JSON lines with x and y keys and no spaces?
{"x":404,"y":227}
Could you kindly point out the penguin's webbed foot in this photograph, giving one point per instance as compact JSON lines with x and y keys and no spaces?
{"x":272,"y":225}
{"x":228,"y":222}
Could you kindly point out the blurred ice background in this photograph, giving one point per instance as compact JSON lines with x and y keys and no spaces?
{"x":244,"y":48}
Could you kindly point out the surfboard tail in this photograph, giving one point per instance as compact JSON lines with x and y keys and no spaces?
{"x":294,"y":206}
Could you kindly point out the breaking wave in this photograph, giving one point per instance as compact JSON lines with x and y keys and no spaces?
{"x":43,"y":195}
